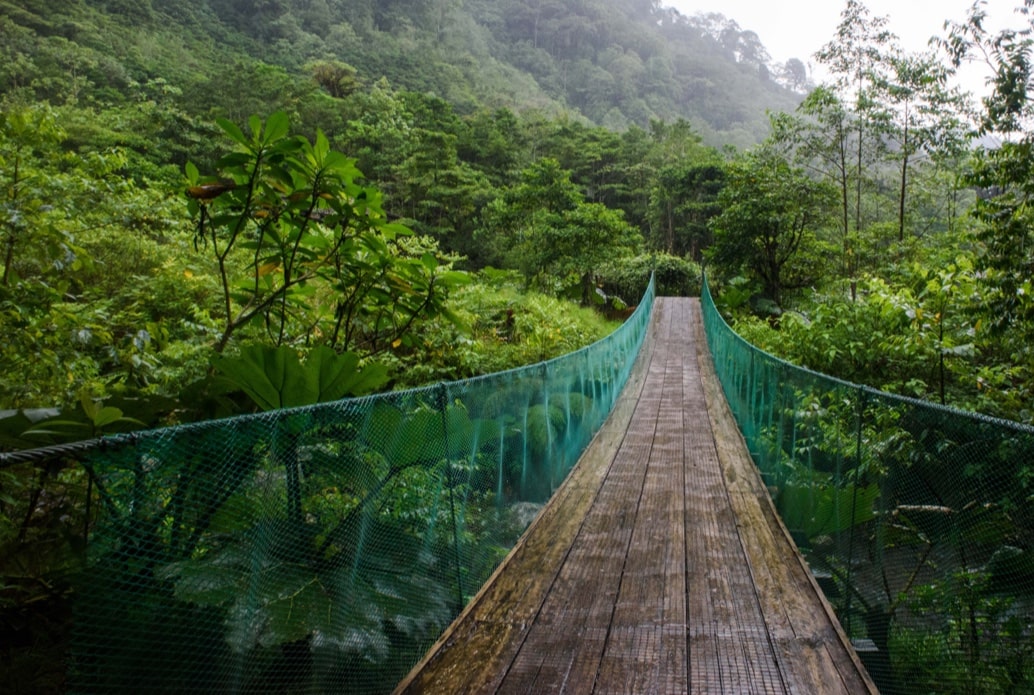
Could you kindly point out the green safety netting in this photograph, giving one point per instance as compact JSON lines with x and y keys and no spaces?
{"x":318,"y":549}
{"x":916,"y":519}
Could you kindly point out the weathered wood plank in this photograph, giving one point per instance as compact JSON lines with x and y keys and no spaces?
{"x":565,"y":647}
{"x":640,"y":654}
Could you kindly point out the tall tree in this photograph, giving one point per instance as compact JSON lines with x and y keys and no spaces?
{"x":492,"y":142}
{"x":819,"y":138}
{"x":545,"y":228}
{"x":795,"y":74}
{"x":1005,"y":174}
{"x":769,"y":224}
{"x":923,"y":114}
{"x":683,"y":199}
{"x":339,"y":79}
{"x":857,"y":57}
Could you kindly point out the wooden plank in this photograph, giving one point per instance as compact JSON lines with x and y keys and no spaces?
{"x":746,"y":659}
{"x":565,"y":646}
{"x":705,"y":667}
{"x":728,"y":650}
{"x":640,"y":654}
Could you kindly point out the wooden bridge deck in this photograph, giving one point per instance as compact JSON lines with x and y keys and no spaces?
{"x":659,"y":565}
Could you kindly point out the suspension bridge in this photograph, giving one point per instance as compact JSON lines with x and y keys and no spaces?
{"x":653,"y":513}
{"x":659,"y":566}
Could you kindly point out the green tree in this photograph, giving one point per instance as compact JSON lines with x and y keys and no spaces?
{"x":377,"y":134}
{"x":683,"y":199}
{"x":586,"y":237}
{"x":858,"y":57}
{"x":338,"y":78}
{"x":544,"y":228}
{"x":491,"y":141}
{"x":543,"y":194}
{"x":769,"y":224}
{"x":435,"y":190}
{"x":923,"y":115}
{"x":1004,"y":177}
{"x":439,"y":193}
{"x":795,"y":73}
{"x":30,"y":234}
{"x":286,"y":218}
{"x":819,"y":138}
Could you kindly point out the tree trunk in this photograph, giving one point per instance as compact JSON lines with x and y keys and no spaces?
{"x":671,"y":230}
{"x":904,"y":180}
{"x":858,"y":186}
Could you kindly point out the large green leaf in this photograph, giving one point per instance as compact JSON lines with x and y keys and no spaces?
{"x":821,"y":508}
{"x":232,"y":130}
{"x":277,"y":127}
{"x":274,"y":377}
{"x":263,"y":373}
{"x":406,"y":438}
{"x":342,"y":607}
{"x":339,"y":375}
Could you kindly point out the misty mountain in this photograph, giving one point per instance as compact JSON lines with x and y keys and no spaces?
{"x":614,"y":62}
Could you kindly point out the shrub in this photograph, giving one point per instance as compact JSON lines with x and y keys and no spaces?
{"x":627,"y":277}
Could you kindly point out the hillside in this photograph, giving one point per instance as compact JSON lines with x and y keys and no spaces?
{"x":613,"y":62}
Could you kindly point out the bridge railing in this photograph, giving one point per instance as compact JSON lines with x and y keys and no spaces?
{"x":917,"y":520}
{"x":317,"y":549}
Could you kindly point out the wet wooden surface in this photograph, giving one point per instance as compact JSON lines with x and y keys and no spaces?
{"x":659,"y":566}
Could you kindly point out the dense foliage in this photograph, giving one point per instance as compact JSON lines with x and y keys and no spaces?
{"x":110,"y":107}
{"x":916,"y":278}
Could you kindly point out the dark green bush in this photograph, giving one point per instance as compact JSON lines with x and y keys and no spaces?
{"x":627,"y":277}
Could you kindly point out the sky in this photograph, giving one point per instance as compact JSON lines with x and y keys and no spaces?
{"x":798,"y":28}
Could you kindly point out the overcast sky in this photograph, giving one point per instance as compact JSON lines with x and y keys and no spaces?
{"x":798,"y":28}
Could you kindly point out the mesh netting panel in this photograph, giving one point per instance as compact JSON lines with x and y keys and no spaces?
{"x":917,"y":520}
{"x":322,"y":549}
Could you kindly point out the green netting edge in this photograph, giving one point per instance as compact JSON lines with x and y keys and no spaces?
{"x":917,"y":519}
{"x":323,"y":548}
